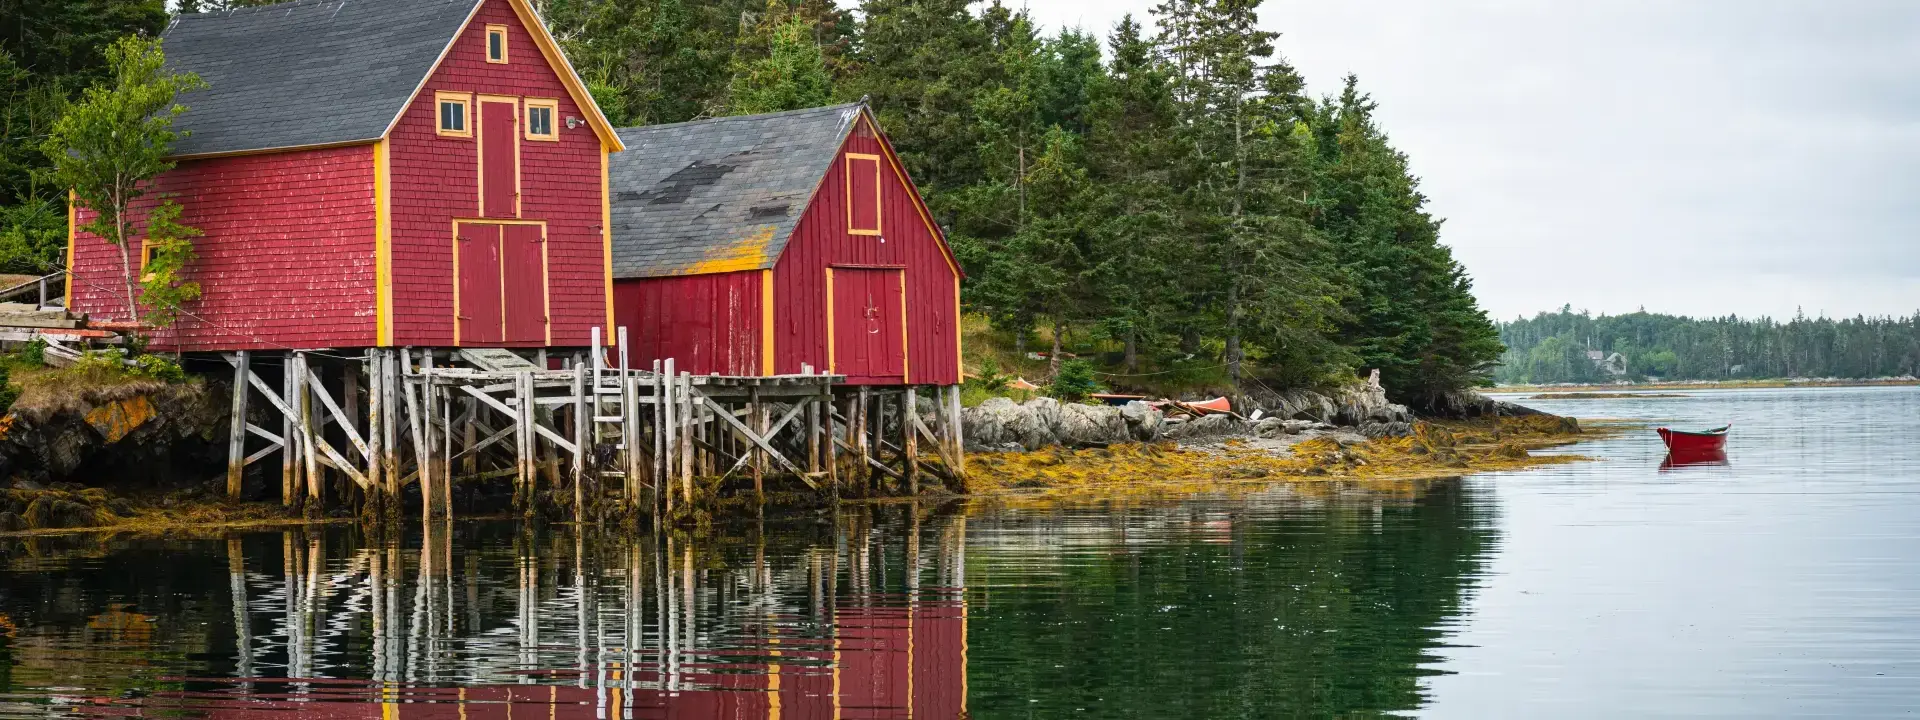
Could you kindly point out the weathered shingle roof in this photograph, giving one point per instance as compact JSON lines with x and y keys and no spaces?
{"x":308,"y":72}
{"x":718,"y":195}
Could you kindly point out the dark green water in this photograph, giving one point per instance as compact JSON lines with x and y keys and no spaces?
{"x":1780,"y":584}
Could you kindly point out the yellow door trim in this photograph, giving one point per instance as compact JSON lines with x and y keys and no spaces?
{"x":831,"y":366}
{"x":766,"y":322}
{"x":906,"y":359}
{"x":959,"y":355}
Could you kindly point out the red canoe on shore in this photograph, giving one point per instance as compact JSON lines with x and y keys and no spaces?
{"x":1682,"y":441}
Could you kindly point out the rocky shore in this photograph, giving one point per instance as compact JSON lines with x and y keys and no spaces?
{"x":1362,"y":411}
{"x":1043,"y":449}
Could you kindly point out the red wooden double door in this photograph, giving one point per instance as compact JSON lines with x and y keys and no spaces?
{"x":869,"y":324}
{"x":501,"y":273}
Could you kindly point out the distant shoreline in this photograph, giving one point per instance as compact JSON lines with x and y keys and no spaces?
{"x":1705,"y":385}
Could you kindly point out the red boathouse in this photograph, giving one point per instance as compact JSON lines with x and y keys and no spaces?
{"x":379,"y":174}
{"x":760,"y":244}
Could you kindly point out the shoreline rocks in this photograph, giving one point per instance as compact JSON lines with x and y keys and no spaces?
{"x":1000,"y":424}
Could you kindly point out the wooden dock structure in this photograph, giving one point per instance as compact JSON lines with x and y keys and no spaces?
{"x":595,"y":440}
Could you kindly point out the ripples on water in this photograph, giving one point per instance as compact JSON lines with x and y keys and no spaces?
{"x":1779,"y":583}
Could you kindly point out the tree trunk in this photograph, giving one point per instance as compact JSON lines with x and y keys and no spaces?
{"x":126,"y":274}
{"x":1133,"y":350}
{"x":1233,"y":334}
{"x":1053,"y":358}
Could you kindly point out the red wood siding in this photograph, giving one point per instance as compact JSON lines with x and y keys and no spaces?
{"x":435,"y":180}
{"x":286,"y":258}
{"x":822,"y":240}
{"x":706,"y":323}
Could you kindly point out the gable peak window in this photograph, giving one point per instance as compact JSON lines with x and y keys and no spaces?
{"x":497,"y":44}
{"x":452,"y":114}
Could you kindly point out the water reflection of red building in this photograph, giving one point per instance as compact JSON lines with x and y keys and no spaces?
{"x":881,"y":663}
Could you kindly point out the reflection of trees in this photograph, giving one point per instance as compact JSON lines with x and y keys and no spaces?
{"x":1245,"y":610}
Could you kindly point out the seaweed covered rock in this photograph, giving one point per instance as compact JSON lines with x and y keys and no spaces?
{"x":140,"y":434}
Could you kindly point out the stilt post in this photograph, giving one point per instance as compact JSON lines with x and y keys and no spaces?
{"x":237,"y":434}
{"x":289,"y":430}
{"x":582,"y":421}
{"x":909,"y":439}
{"x":376,"y":432}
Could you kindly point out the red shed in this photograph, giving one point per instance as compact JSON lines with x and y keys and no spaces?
{"x":753,"y":245}
{"x":369,"y":174}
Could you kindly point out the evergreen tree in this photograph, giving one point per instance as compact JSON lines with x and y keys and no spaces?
{"x":1410,"y":311}
{"x":792,"y":75}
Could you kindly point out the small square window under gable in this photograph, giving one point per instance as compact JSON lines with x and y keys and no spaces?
{"x":497,"y":44}
{"x":540,"y":115}
{"x":453,"y":114}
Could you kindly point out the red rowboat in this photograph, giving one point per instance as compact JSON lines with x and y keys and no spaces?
{"x":1682,"y":441}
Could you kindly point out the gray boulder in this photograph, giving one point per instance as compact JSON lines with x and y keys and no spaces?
{"x":1271,"y":427}
{"x":985,"y":425}
{"x":1145,"y":422}
{"x":1208,"y":428}
{"x":1082,"y":425}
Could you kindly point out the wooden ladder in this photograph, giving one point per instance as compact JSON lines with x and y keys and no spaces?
{"x":610,"y":391}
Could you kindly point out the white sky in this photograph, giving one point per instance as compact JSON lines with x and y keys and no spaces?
{"x":1699,"y":157}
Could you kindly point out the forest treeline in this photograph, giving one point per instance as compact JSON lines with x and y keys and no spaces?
{"x":1555,"y":347}
{"x":1166,"y":193}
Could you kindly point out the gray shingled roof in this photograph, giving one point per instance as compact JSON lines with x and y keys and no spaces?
{"x":308,"y":72}
{"x":719,"y":194}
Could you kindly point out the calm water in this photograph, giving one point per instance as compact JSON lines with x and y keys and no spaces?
{"x":1784,"y":583}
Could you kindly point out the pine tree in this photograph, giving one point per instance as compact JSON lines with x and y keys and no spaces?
{"x":792,"y":75}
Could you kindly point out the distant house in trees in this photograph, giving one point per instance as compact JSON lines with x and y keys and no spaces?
{"x":760,"y":244}
{"x":380,"y":173}
{"x":1613,"y":364}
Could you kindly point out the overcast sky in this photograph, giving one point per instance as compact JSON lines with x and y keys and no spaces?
{"x":1698,"y":157}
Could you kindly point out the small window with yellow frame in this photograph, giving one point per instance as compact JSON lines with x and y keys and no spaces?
{"x":454,"y":114}
{"x":540,"y":115}
{"x":497,"y":44}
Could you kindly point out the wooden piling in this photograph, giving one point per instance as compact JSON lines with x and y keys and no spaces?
{"x":237,"y":432}
{"x":309,"y":459}
{"x":582,"y":421}
{"x":376,"y":433}
{"x":289,"y":429}
{"x":687,"y":406}
{"x":863,"y":452}
{"x":833,"y":450}
{"x":910,"y":439}
{"x":757,"y":414}
{"x":390,"y":387}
